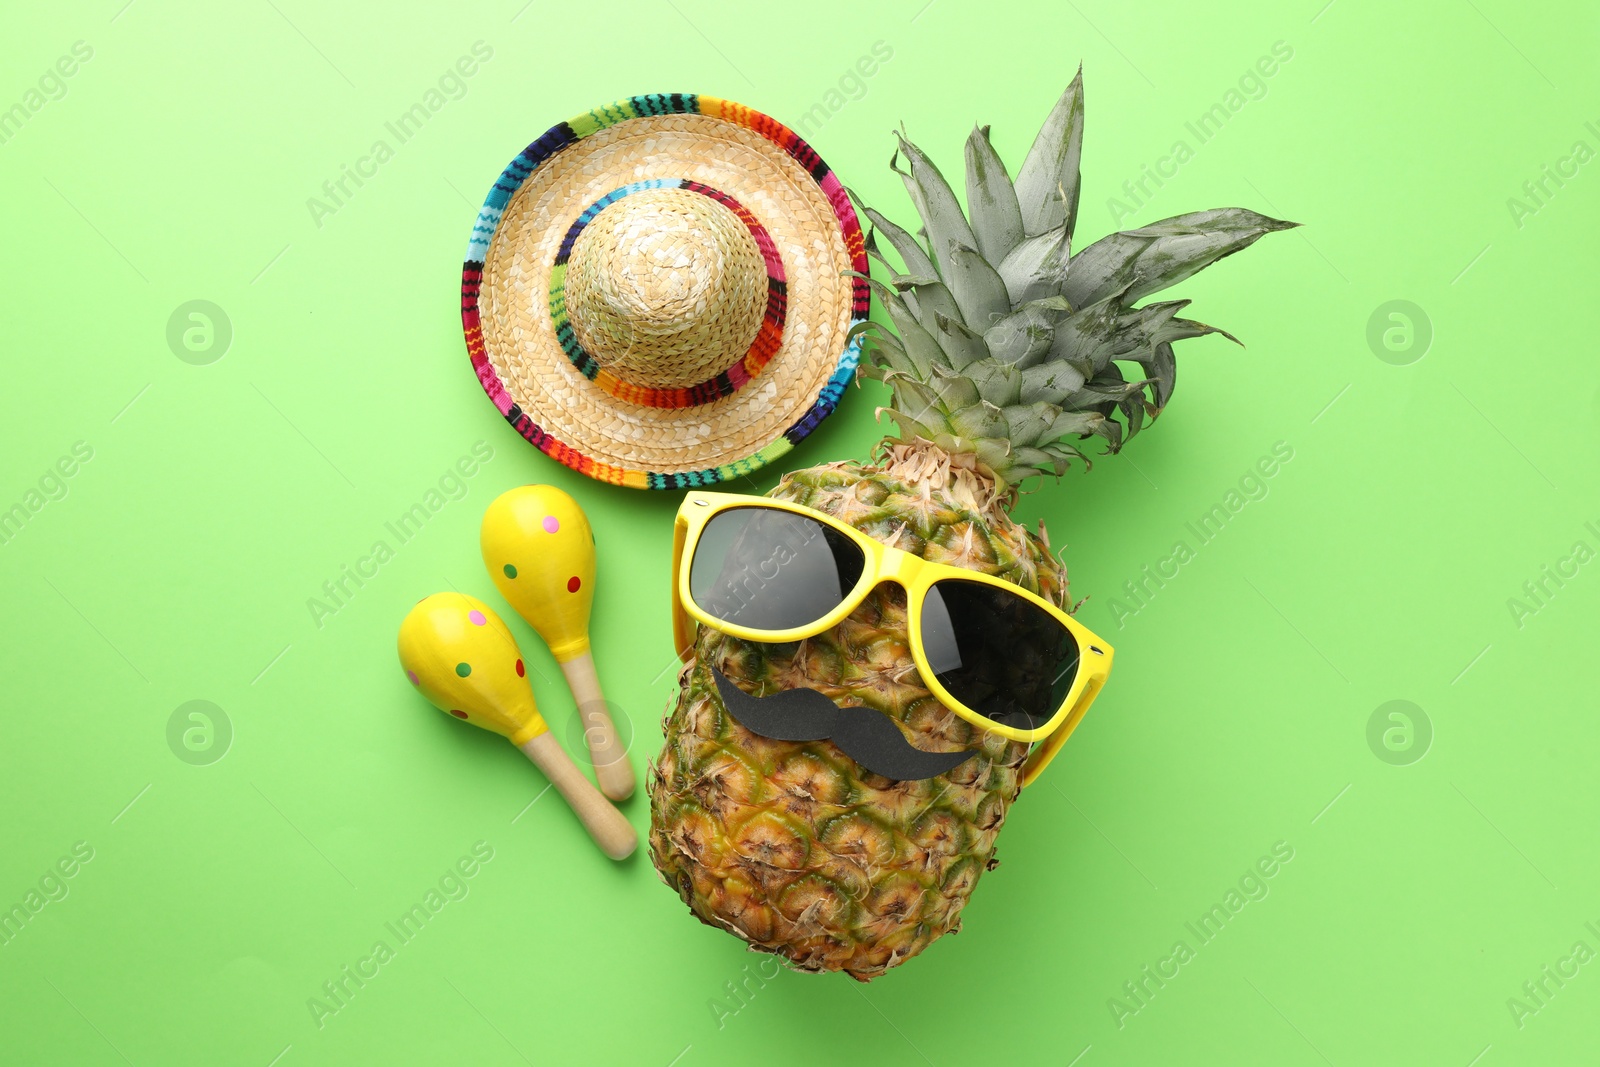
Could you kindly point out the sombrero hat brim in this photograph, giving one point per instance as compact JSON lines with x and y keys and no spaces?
{"x":561,"y":401}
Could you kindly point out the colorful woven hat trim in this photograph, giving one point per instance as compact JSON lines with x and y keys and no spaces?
{"x":563,"y":134}
{"x":767,"y":340}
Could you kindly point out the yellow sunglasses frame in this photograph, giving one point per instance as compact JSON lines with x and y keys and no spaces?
{"x":916,"y":576}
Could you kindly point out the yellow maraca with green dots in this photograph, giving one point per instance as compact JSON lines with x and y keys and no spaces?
{"x":462,"y":657}
{"x":540,"y":553}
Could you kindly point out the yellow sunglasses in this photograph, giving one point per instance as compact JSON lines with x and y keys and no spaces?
{"x":1004,"y":659}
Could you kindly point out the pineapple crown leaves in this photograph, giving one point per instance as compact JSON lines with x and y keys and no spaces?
{"x":1007,"y":344}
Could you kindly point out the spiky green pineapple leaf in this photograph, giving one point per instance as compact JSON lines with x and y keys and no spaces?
{"x":1037,"y":459}
{"x":997,"y":382}
{"x":929,"y":421}
{"x":1111,"y":330}
{"x":977,"y":287}
{"x":1029,"y":422}
{"x":1111,"y":430}
{"x":933,"y":299}
{"x":1105,"y":389}
{"x":1025,"y":328}
{"x":1024,"y":336}
{"x":912,"y":255}
{"x":991,"y":199}
{"x":1037,"y":268}
{"x":1068,"y":423}
{"x":1047,"y":183}
{"x":994,"y":453}
{"x":941,"y":214}
{"x":960,"y":344}
{"x":982,"y":421}
{"x":1064,"y":453}
{"x":952,"y":392}
{"x":900,"y":282}
{"x":1134,"y":409}
{"x":1163,"y":370}
{"x":1145,"y":260}
{"x":1021,"y":340}
{"x":1087,"y":340}
{"x":919,"y":345}
{"x":1050,"y":381}
{"x":887,"y":354}
{"x":1154,"y":323}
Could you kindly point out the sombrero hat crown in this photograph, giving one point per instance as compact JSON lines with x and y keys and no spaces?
{"x":666,"y":288}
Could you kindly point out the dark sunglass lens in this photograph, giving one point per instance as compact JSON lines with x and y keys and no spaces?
{"x":1002,"y":656}
{"x":771,"y":570}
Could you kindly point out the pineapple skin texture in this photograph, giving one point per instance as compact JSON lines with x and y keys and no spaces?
{"x":792,"y":846}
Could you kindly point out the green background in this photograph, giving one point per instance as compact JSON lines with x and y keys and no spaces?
{"x":1422,"y":493}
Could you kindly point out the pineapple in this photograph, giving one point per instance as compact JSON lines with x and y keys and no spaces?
{"x":1009,"y":351}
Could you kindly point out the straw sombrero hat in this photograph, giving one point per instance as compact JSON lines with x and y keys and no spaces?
{"x":655,"y":292}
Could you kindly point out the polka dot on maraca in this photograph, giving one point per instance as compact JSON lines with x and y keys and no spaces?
{"x":573,"y":583}
{"x":413,"y":676}
{"x":551,"y":524}
{"x":477,"y":618}
{"x":510,"y":571}
{"x":463,"y":669}
{"x":458,"y":714}
{"x":521,"y":670}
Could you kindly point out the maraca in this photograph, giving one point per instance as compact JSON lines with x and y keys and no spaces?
{"x":540,"y":552}
{"x":461,"y":656}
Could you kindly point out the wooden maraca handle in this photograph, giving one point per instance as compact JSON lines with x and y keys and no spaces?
{"x":613,"y":833}
{"x":611,"y":767}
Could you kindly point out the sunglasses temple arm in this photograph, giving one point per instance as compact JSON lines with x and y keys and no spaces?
{"x":683,"y":627}
{"x":1046,"y":751}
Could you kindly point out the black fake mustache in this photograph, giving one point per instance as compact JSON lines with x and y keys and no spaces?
{"x":866,"y":736}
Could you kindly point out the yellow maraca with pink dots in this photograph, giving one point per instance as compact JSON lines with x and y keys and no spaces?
{"x":461,"y":656}
{"x":540,"y":553}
